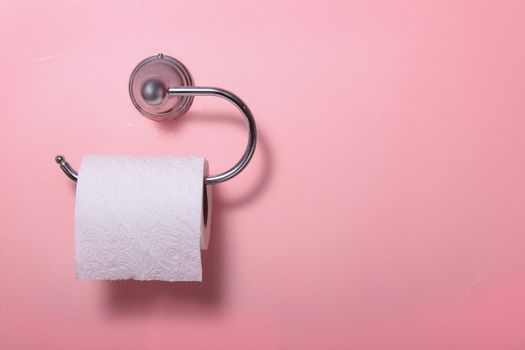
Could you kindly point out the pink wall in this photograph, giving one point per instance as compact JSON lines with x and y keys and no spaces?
{"x":384,"y":208}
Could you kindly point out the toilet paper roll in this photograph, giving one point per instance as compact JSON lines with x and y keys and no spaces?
{"x":142,"y":218}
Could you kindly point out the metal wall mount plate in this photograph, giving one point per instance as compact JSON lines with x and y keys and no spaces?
{"x":148,"y":85}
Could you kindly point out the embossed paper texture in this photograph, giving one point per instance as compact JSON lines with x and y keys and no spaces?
{"x":139,"y":218}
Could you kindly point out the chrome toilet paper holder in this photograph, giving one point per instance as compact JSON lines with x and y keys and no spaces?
{"x":162,"y":89}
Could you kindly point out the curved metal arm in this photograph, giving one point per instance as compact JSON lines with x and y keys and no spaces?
{"x":202,"y":91}
{"x":66,"y":168}
{"x":243,"y":108}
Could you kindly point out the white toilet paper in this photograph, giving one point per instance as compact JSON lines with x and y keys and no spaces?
{"x":141,"y":218}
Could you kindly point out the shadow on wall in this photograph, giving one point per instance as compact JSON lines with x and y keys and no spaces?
{"x":136,"y":297}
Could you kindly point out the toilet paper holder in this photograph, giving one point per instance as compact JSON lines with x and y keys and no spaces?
{"x":162,"y":89}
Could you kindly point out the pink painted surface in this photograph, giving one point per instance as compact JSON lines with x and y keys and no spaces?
{"x":384,"y":208}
